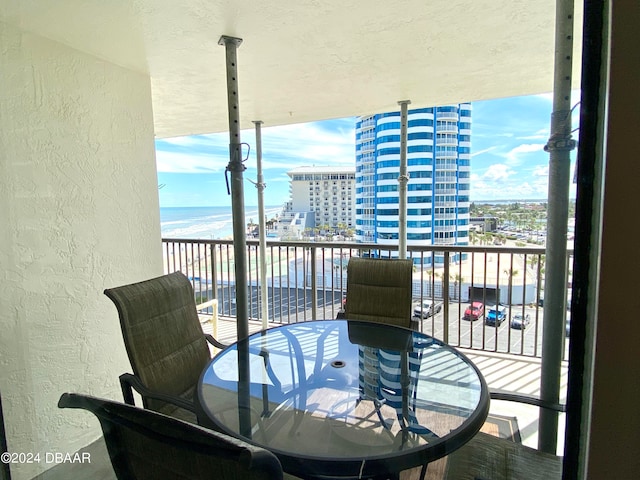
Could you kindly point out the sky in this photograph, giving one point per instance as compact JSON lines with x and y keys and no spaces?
{"x":507,"y":157}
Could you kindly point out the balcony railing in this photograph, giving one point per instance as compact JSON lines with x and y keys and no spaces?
{"x":307,"y":281}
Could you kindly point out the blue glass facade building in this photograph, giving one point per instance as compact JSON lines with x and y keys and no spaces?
{"x":438,"y":159}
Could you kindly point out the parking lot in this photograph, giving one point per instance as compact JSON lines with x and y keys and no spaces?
{"x":499,"y":338}
{"x":294,"y":305}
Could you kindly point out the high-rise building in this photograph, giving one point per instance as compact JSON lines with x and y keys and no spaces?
{"x":438,"y":153}
{"x":320,"y":197}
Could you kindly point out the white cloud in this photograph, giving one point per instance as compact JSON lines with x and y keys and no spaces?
{"x":514,"y":156}
{"x":188,"y":141}
{"x":308,"y":143}
{"x":480,"y":152}
{"x":283,"y":147}
{"x":512,"y":190}
{"x":546,"y":96}
{"x":497,"y":172}
{"x":527,"y":148}
{"x":501,"y":182}
{"x":542,"y":134}
{"x":541,"y":171}
{"x":197,"y":162}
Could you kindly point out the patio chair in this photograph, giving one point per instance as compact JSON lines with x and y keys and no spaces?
{"x":379,"y":290}
{"x":143,"y":444}
{"x":488,"y":457}
{"x":165,"y":343}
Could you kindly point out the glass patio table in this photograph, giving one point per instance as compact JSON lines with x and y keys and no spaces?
{"x":343,"y":398}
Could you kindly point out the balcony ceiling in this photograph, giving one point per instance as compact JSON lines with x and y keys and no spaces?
{"x":305,"y":60}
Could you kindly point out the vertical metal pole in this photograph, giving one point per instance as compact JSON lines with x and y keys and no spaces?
{"x":555,"y":289}
{"x":260,"y":185}
{"x":314,"y":285}
{"x":214,"y":291}
{"x":403,"y":179}
{"x":236,"y":167}
{"x":445,"y":296}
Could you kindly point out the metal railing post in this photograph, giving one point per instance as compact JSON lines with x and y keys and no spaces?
{"x":214,"y":291}
{"x":445,"y":298}
{"x":314,"y":286}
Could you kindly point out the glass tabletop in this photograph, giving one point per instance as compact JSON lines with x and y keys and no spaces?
{"x":342,"y":398}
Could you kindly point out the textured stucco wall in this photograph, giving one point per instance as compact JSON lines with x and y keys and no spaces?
{"x":78,"y":213}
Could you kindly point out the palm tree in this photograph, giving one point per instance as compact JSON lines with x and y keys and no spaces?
{"x":537,"y":264}
{"x":440,"y":277}
{"x":510,"y":272}
{"x":457,"y":279}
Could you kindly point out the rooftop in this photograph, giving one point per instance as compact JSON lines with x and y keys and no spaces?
{"x":321,"y":169}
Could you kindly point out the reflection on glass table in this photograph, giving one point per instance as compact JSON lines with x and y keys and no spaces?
{"x":345,"y":399}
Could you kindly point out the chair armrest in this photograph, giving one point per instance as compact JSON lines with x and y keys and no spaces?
{"x":213,"y":341}
{"x":207,"y":304}
{"x":263,"y":353}
{"x":529,"y":400}
{"x":414,"y":324}
{"x":128,"y":380}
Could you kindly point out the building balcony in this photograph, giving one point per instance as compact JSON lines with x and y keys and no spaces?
{"x":446,"y":165}
{"x":440,"y":115}
{"x":367,"y":136}
{"x":444,"y":154}
{"x":367,"y":124}
{"x":367,"y":147}
{"x":448,"y":140}
{"x":447,"y":127}
{"x":446,"y":191}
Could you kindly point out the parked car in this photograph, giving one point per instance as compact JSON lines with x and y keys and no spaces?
{"x":474,"y":311}
{"x":520,"y":321}
{"x":427,"y":309}
{"x":496,"y":315}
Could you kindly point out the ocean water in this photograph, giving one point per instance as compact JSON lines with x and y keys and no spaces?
{"x":205,"y":223}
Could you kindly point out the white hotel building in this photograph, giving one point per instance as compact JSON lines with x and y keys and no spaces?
{"x":320,"y":196}
{"x":438,"y":153}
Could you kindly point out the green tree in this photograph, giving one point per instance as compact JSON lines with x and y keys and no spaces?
{"x":510,"y":272}
{"x":457,"y":280}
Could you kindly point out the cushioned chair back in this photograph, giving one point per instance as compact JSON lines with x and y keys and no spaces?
{"x":143,"y":444}
{"x":379,"y":290}
{"x":162,"y":334}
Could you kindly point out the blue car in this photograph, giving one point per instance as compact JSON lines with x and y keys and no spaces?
{"x":496,"y":315}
